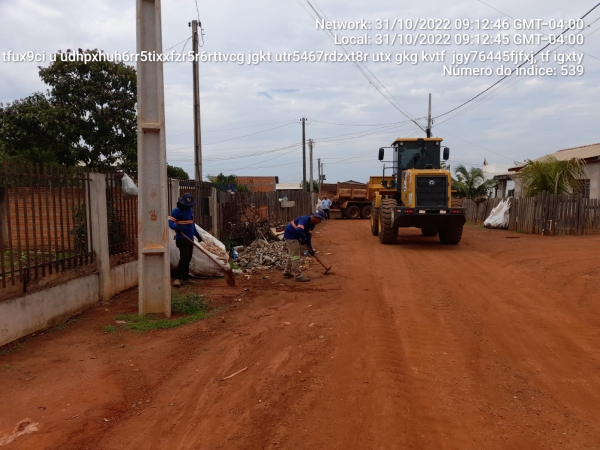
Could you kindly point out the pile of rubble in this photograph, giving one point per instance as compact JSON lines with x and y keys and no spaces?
{"x":264,"y":255}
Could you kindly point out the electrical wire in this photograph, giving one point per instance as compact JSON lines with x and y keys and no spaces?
{"x":362,"y":68}
{"x":512,"y":71}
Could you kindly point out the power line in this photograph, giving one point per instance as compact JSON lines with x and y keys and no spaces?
{"x":361,"y":69}
{"x":232,"y":129}
{"x":511,"y":17}
{"x":512,"y":71}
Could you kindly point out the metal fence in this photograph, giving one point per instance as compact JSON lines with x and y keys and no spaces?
{"x":43,"y":221}
{"x":122,"y":211}
{"x":200,"y":190}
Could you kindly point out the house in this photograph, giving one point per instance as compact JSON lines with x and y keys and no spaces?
{"x":589,"y":186}
{"x":259,"y":184}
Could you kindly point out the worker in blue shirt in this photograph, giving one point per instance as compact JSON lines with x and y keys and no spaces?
{"x":297,"y":233}
{"x":182,"y":221}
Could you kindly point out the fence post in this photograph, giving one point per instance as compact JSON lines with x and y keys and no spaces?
{"x":214,"y":212}
{"x":99,"y":220}
{"x":174,"y":193}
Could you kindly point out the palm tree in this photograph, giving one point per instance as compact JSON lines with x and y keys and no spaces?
{"x":471,"y":183}
{"x":548,"y":174}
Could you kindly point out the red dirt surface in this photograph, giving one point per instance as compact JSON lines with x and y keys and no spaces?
{"x":491,"y":344}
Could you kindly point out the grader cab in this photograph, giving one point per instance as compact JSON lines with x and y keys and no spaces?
{"x":417,"y":194}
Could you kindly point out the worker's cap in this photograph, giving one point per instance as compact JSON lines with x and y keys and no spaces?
{"x":320,"y":215}
{"x":186,"y":200}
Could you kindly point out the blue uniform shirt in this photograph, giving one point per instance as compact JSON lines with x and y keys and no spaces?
{"x":326,"y":203}
{"x":182,"y":220}
{"x":300,"y":229}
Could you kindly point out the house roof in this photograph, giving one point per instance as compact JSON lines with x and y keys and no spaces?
{"x":288,"y":186}
{"x":586,"y":152}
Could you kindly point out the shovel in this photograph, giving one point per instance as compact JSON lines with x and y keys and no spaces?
{"x":327,"y":269}
{"x":229,"y":278}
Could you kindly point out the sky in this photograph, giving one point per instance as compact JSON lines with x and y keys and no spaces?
{"x":251,"y":113}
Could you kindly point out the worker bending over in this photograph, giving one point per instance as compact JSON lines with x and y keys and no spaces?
{"x":298,"y":233}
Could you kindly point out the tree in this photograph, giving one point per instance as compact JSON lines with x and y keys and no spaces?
{"x":87,"y":116}
{"x":177,"y":172}
{"x":226,"y":182}
{"x":32,"y":129}
{"x":316,"y":187}
{"x":471,"y":183}
{"x":548,"y":174}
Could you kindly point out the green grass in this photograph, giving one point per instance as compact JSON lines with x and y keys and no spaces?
{"x":233,"y":265}
{"x":188,"y":303}
{"x":109,"y":329}
{"x":62,"y":326}
{"x":11,"y":348}
{"x":193,"y":305}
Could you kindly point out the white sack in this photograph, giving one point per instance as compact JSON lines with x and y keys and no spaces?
{"x":201,"y":265}
{"x":499,"y":217}
{"x":128,"y":186}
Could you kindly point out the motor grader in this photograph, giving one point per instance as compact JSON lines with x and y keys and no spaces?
{"x":417,"y":194}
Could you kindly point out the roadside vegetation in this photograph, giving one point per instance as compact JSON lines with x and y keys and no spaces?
{"x":187,"y":307}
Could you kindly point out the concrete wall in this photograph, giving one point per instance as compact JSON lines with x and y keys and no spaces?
{"x":123,"y":277}
{"x":25,"y":315}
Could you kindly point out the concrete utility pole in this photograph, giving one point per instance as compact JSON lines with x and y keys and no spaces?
{"x":153,"y":238}
{"x":429,"y":119}
{"x":322,"y":174}
{"x":303,"y":153}
{"x":312,"y":190}
{"x":197,"y":131}
{"x":319,"y":171}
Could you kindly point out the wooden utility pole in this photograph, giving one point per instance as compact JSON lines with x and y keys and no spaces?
{"x":303,"y":153}
{"x":153,"y":235}
{"x":197,"y":132}
{"x":311,"y":190}
{"x":429,"y":119}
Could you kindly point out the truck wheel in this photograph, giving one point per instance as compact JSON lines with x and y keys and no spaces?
{"x":428,"y":231}
{"x":365,"y":212}
{"x":374,"y":219}
{"x":387,"y":233}
{"x":352,"y":212}
{"x":451,"y":235}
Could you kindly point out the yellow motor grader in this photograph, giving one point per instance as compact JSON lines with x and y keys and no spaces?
{"x":417,"y":194}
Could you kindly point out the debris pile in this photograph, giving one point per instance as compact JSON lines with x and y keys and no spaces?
{"x":264,"y":255}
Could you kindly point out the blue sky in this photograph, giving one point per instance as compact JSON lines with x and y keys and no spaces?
{"x":251,"y":113}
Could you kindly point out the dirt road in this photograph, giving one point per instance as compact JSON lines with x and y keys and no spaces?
{"x":492,"y":344}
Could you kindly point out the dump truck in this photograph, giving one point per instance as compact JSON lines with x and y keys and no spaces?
{"x":350,"y":201}
{"x":417,"y":194}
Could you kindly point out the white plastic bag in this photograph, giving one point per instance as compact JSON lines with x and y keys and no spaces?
{"x":500,"y":216}
{"x":201,"y":265}
{"x":128,"y":186}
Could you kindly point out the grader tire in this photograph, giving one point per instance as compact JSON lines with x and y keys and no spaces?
{"x":451,"y":235}
{"x":387,"y":233}
{"x":366,"y":211}
{"x":374,"y":219}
